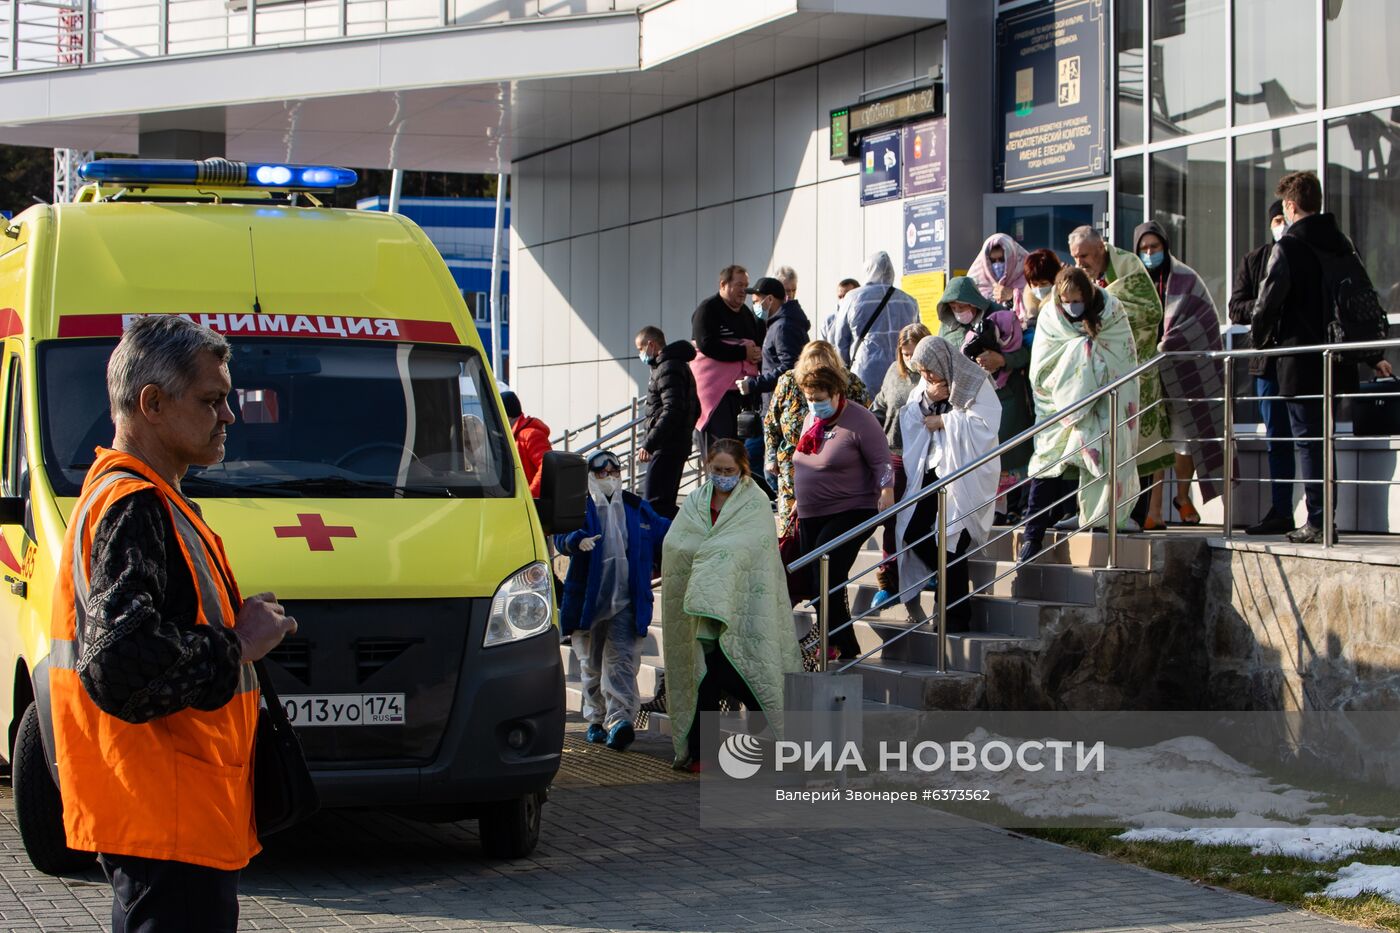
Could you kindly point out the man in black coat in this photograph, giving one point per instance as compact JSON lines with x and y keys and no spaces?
{"x":673,"y":407}
{"x":1293,"y":310}
{"x":1248,"y":278}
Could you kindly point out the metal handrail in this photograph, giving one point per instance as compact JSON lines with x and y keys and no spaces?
{"x":1328,"y":351}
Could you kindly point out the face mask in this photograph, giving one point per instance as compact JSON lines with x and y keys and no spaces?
{"x":823,"y":410}
{"x":964,"y":317}
{"x":646,"y":357}
{"x":1074,"y":310}
{"x":724,"y":483}
{"x":607,"y":486}
{"x":1280,"y":230}
{"x":1153,"y":260}
{"x":998,"y":269}
{"x":759,"y":311}
{"x":1043,"y":291}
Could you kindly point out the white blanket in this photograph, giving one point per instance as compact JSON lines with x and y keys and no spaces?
{"x":966,"y":435}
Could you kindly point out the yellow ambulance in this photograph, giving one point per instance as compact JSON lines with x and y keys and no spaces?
{"x":425,"y":676}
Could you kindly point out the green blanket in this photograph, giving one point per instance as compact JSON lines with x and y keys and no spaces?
{"x":1129,"y":282}
{"x":730,"y":573}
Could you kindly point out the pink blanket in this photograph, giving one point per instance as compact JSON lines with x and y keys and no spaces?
{"x":714,"y":377}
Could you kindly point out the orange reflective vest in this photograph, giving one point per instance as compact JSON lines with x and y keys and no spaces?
{"x":178,"y":788}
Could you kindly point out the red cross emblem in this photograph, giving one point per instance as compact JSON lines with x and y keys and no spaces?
{"x":314,"y":529}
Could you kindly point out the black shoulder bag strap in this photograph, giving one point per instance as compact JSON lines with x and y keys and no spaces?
{"x":879,"y":310}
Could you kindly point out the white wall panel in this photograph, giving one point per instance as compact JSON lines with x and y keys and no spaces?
{"x":928,"y":52}
{"x":889,"y":63}
{"x":556,"y":193}
{"x":583,"y":187}
{"x":714,"y":249}
{"x":645,"y":189}
{"x":753,"y":146}
{"x":715,"y":150}
{"x":839,"y":83}
{"x":679,"y":157}
{"x":840,"y":242}
{"x":614,"y":285}
{"x":527,"y":199}
{"x":795,"y":242}
{"x":644,"y":276}
{"x":554,"y":301}
{"x":584,"y":346}
{"x":796,"y":122}
{"x":753,"y":235}
{"x":679,"y":291}
{"x":614,"y":178}
{"x":526,"y":287}
{"x":884,"y":230}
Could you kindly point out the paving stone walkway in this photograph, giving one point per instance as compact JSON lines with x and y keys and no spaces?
{"x":618,"y":856}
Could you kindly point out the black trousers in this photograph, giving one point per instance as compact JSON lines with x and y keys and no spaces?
{"x":663,"y":478}
{"x":720,"y":679}
{"x":817,"y":531}
{"x":724,"y":420}
{"x":154,"y":896}
{"x":922,"y":522}
{"x":1039,"y":513}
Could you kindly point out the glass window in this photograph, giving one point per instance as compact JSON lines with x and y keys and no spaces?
{"x":1127,"y":174}
{"x":1188,"y":67}
{"x":1188,"y":200}
{"x":1127,"y":18}
{"x":1361,"y":61}
{"x":1261,"y":159}
{"x":1275,"y":59}
{"x":1362,"y":188}
{"x":333,"y":419}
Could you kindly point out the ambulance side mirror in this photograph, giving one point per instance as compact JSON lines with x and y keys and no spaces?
{"x":563,"y":492}
{"x":12,"y":510}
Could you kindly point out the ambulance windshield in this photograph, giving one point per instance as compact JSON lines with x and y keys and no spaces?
{"x":325,"y":419}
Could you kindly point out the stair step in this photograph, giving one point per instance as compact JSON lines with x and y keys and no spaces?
{"x":918,"y":686}
{"x":1054,"y":583}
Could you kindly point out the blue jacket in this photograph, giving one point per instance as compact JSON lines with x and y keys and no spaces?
{"x":645,"y":532}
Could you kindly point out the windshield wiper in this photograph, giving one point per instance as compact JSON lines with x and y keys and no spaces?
{"x":200,"y":483}
{"x":314,"y":484}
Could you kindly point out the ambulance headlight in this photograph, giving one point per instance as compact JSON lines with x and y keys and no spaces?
{"x":522,"y":608}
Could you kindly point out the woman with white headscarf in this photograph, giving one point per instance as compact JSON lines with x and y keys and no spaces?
{"x":870,"y":319}
{"x":950,"y":420}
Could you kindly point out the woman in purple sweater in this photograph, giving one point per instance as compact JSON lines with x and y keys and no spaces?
{"x":842,"y":475}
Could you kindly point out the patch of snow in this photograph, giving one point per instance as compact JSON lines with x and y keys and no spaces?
{"x":1317,"y":844}
{"x":1357,"y":879}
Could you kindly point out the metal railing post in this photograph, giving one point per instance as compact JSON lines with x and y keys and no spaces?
{"x":345,"y":17}
{"x":942,"y":580}
{"x":632,"y":443}
{"x":1227,"y":495}
{"x":1329,"y":463}
{"x":163,"y":30}
{"x":597,"y":427}
{"x":1112,"y":479}
{"x":252,"y":23}
{"x":566,"y":441}
{"x":823,"y":610}
{"x":14,"y":35}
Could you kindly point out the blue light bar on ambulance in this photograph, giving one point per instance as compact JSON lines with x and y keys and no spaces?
{"x":217,"y":173}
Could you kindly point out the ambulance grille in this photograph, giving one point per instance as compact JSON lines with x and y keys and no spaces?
{"x":374,"y":654}
{"x":293,"y":655}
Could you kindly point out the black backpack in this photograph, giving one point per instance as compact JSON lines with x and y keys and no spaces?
{"x":1356,"y":315}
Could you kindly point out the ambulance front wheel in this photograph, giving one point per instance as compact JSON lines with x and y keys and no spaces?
{"x":511,"y":829}
{"x":38,"y":806}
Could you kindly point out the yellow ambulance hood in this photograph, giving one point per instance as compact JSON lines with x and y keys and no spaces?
{"x":373,"y":548}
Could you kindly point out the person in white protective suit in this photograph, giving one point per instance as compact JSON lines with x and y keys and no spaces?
{"x":866,"y":331}
{"x":608,"y":599}
{"x":950,"y":421}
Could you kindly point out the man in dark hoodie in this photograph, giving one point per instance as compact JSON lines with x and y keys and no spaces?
{"x":672,"y":410}
{"x":786,"y":335}
{"x":1293,"y":310}
{"x":1282,"y":468}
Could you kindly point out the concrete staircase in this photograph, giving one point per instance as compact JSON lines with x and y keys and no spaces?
{"x":1017,"y":607}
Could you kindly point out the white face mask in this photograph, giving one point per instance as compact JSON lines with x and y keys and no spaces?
{"x":964,"y":317}
{"x":1280,"y":230}
{"x":607,"y":486}
{"x":1042,"y":292}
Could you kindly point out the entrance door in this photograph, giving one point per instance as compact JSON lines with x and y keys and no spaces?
{"x":1043,"y":220}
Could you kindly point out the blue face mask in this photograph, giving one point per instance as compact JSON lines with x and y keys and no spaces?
{"x":1074,"y":310}
{"x":998,"y":269}
{"x":647,"y":358}
{"x":823,"y":410}
{"x":725,"y":483}
{"x":759,"y":311}
{"x":1153,"y":260}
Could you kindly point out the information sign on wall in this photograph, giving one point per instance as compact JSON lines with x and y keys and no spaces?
{"x":1050,"y":88}
{"x":925,"y":158}
{"x":880,"y":158}
{"x":926,"y":235}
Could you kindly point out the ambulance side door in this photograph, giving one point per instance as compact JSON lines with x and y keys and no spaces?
{"x":14,"y":538}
